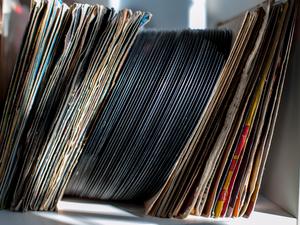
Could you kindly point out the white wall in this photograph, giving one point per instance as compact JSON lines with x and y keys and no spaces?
{"x":167,"y":14}
{"x":220,"y":10}
{"x":281,"y":178}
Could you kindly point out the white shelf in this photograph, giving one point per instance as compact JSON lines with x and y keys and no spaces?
{"x":79,"y":212}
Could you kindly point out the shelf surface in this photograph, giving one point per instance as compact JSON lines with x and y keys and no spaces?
{"x":81,"y":212}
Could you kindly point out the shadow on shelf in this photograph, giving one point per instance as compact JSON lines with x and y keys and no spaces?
{"x":120,"y":213}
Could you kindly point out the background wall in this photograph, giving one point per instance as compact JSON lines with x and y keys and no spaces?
{"x":220,"y":10}
{"x":167,"y":14}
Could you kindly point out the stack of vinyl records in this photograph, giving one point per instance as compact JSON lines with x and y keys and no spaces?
{"x":220,"y":169}
{"x":69,"y":62}
{"x":184,"y":135}
{"x":180,"y":120}
{"x":162,"y":92}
